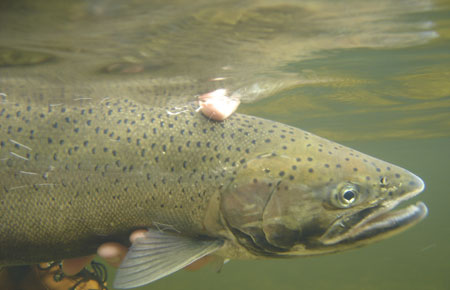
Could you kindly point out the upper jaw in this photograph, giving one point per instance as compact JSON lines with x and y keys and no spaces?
{"x":380,"y":221}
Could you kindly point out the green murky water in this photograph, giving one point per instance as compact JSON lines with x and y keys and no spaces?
{"x":374,"y":77}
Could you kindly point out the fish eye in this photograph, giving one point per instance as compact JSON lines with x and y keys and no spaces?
{"x":383,"y":180}
{"x":347,"y":196}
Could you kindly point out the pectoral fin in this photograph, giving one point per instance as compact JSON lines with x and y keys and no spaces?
{"x":160,"y":254}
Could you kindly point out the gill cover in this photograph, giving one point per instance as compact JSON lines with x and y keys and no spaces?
{"x":260,"y":206}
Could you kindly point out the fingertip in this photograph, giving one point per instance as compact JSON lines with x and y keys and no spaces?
{"x":137,"y":234}
{"x":216,"y":105}
{"x":112,"y":253}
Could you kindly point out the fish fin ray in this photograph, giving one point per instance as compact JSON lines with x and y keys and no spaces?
{"x":147,"y":261}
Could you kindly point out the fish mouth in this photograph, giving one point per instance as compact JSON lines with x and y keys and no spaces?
{"x":378,"y":222}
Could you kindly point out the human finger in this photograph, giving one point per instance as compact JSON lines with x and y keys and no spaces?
{"x":73,"y":266}
{"x":113,"y":253}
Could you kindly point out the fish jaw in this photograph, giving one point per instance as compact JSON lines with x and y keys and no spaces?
{"x":380,"y":221}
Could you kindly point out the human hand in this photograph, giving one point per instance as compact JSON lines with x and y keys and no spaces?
{"x":114,"y":253}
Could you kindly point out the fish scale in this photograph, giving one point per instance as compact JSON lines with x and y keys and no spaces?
{"x":80,"y":167}
{"x":77,"y":175}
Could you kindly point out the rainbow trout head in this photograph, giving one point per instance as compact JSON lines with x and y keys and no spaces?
{"x":318,"y":198}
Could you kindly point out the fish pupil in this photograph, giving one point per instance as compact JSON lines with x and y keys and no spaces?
{"x":349,"y":195}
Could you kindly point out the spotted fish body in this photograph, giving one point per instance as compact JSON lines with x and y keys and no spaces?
{"x":75,"y":176}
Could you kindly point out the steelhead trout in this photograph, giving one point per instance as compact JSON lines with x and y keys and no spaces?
{"x":73,"y":177}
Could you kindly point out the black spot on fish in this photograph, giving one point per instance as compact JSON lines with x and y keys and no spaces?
{"x":281,"y":173}
{"x":267,"y":140}
{"x":49,"y":140}
{"x":310,"y":170}
{"x":397,"y":175}
{"x":338,"y":166}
